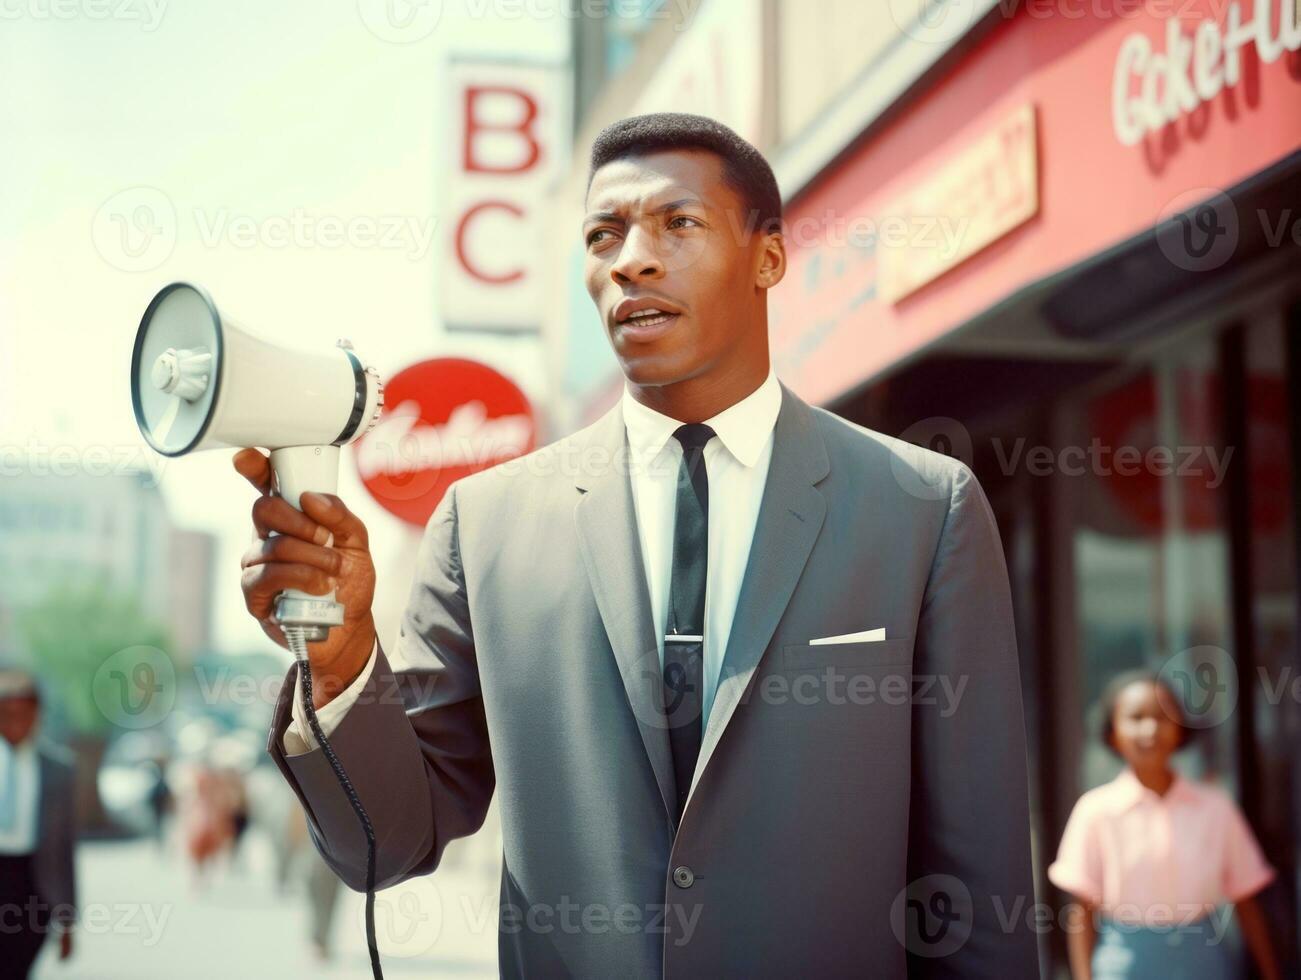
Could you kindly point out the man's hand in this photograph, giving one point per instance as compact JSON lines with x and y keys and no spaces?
{"x":302,"y":555}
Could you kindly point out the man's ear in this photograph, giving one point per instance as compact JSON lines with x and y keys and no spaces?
{"x":772,"y":261}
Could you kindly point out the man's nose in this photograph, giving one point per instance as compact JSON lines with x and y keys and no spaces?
{"x":638,"y":257}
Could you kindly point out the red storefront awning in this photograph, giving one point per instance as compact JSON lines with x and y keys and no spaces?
{"x":1061,"y":133}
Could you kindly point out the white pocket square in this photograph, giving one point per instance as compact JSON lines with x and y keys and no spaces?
{"x":866,"y":636}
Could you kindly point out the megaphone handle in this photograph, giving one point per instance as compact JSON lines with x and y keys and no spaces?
{"x":294,"y":470}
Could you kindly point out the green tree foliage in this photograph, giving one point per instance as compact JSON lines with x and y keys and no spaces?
{"x":71,"y":634}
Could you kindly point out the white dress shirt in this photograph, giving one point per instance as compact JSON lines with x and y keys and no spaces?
{"x":736,"y":460}
{"x":19,"y":769}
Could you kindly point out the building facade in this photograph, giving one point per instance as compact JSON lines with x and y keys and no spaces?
{"x":64,"y":531}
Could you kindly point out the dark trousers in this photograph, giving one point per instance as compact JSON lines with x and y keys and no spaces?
{"x":24,"y":917}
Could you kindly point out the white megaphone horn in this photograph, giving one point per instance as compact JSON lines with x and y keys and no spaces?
{"x":199,"y":381}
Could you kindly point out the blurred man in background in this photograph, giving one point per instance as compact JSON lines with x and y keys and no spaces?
{"x":37,"y":831}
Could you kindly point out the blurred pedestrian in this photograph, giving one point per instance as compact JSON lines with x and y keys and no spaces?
{"x":290,"y":840}
{"x":37,"y":831}
{"x":237,"y":795}
{"x":1153,"y":856}
{"x":160,"y":799}
{"x":323,"y":887}
{"x":207,"y":823}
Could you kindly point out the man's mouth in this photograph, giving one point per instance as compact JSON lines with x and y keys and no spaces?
{"x":646,"y":324}
{"x":648,"y":318}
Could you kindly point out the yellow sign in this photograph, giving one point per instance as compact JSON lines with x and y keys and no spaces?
{"x":976,"y":196}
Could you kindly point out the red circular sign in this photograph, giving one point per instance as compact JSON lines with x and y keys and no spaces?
{"x":443,"y":419}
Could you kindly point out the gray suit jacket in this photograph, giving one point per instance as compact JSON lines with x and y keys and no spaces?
{"x":848,"y":817}
{"x":56,"y":834}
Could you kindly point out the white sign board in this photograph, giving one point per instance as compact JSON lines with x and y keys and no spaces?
{"x":507,"y":142}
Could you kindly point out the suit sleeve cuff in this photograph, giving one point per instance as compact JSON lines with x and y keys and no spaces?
{"x":298,"y":738}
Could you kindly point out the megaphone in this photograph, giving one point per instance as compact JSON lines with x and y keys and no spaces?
{"x":200,"y":381}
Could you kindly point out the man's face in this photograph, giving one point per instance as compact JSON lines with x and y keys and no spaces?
{"x":663,"y":230}
{"x":17,"y":718}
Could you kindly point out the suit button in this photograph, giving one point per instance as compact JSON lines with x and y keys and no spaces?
{"x":683,"y":877}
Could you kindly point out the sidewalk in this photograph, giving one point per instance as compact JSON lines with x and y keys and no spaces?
{"x":142,"y":918}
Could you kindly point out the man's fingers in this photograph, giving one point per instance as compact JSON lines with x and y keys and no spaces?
{"x":331,"y":512}
{"x":283,"y":547}
{"x":325,"y":513}
{"x":254,"y":466}
{"x":262,"y":583}
{"x":275,"y":514}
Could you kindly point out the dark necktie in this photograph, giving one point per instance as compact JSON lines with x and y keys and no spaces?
{"x":684,"y":641}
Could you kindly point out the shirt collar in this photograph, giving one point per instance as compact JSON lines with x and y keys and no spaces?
{"x":743,"y":427}
{"x":1129,"y":791}
{"x":24,"y":749}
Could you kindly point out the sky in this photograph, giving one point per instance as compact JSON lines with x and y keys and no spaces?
{"x":237,"y":125}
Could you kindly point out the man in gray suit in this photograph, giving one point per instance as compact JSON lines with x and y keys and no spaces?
{"x":742,"y":672}
{"x":37,"y":831}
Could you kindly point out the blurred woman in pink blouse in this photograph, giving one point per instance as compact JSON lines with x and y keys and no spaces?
{"x":1154,"y":857}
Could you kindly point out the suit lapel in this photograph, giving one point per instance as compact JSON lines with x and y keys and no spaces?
{"x":606,"y":521}
{"x":791,"y":512}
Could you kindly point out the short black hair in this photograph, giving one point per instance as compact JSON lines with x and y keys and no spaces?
{"x":744,"y":168}
{"x":1111,"y":694}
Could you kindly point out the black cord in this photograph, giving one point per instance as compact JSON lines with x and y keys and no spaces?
{"x":305,"y":676}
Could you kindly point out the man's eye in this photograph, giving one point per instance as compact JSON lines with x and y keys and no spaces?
{"x":592,"y":237}
{"x":684,"y":217}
